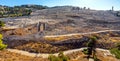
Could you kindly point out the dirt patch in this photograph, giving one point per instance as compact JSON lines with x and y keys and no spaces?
{"x":9,"y":56}
{"x":41,"y":48}
{"x":80,"y":56}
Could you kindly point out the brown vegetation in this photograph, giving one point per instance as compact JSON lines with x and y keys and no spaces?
{"x":41,"y":48}
{"x":79,"y":56}
{"x":9,"y":56}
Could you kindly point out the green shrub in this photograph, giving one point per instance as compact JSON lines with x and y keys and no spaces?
{"x":2,"y":46}
{"x":2,"y":24}
{"x":96,"y":59}
{"x":116,"y":52}
{"x":53,"y":58}
{"x":85,"y":51}
{"x":61,"y":57}
{"x":93,"y":38}
{"x":92,"y":42}
{"x":118,"y":46}
{"x":1,"y":36}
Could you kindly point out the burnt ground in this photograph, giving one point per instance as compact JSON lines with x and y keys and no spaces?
{"x":105,"y":40}
{"x":64,"y":20}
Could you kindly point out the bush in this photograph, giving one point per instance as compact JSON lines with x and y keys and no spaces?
{"x":85,"y":51}
{"x":118,"y":46}
{"x":53,"y":58}
{"x":2,"y":24}
{"x":116,"y":52}
{"x":61,"y":57}
{"x":2,"y":46}
{"x":96,"y":59}
{"x":92,"y":42}
{"x":94,"y":38}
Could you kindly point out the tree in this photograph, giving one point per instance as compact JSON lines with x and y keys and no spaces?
{"x":118,"y":13}
{"x":25,"y":10}
{"x":91,"y":46}
{"x":2,"y":46}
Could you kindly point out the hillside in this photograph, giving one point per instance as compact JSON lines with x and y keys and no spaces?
{"x":65,"y":20}
{"x":66,"y":28}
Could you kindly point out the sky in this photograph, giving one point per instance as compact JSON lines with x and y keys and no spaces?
{"x":93,"y":4}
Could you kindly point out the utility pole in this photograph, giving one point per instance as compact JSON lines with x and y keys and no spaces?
{"x":112,"y":8}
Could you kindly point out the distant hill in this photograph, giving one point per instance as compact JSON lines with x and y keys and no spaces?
{"x":38,"y":7}
{"x":23,"y":10}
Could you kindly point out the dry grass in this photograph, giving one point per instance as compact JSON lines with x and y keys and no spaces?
{"x":75,"y":56}
{"x":115,"y":39}
{"x":100,"y":55}
{"x":61,"y":38}
{"x":41,"y":47}
{"x":9,"y":56}
{"x":55,"y":38}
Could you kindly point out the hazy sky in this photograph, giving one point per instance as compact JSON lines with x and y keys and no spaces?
{"x":93,"y":4}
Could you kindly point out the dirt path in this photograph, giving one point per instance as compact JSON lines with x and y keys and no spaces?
{"x":82,"y":33}
{"x":43,"y":55}
{"x":37,"y":36}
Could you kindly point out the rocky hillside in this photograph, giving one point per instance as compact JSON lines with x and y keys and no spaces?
{"x":67,"y":19}
{"x":21,"y":32}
